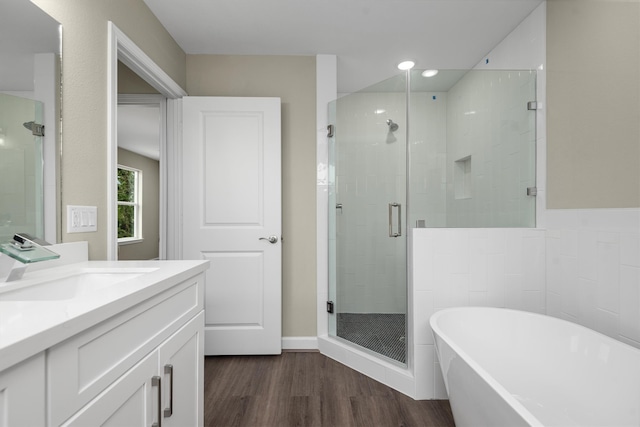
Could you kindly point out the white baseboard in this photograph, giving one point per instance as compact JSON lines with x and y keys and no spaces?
{"x":300,"y":343}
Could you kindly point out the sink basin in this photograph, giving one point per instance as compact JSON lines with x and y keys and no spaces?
{"x":76,"y":285}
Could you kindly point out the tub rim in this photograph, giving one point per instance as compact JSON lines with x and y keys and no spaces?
{"x":519,"y":408}
{"x":492,"y":382}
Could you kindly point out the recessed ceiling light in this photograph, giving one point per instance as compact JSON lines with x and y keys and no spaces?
{"x":406,"y":65}
{"x":429,"y":73}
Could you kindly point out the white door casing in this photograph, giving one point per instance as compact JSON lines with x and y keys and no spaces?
{"x":231,"y":206}
{"x":122,"y":48}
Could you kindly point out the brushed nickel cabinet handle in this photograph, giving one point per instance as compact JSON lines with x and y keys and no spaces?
{"x":156,"y":381}
{"x":168,"y":369}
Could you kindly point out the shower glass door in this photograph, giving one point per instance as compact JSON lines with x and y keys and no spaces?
{"x":367,"y":226}
{"x":21,"y":166}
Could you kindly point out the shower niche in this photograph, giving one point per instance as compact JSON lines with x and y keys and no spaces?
{"x":462,"y":178}
{"x":453,"y":150}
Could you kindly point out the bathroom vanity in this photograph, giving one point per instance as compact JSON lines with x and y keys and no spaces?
{"x":103,"y":343}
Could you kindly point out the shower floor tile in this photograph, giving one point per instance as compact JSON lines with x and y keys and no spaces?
{"x":382,"y":333}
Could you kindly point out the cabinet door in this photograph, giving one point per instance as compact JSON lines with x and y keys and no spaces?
{"x":82,"y":367}
{"x":182,"y":371}
{"x":22,"y":394}
{"x":131,"y":401}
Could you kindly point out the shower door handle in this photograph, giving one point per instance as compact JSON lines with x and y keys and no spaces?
{"x":391,"y":206}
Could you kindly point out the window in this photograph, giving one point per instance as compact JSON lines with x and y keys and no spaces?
{"x":129,"y":204}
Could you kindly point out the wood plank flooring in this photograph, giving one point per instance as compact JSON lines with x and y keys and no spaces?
{"x":307,"y":389}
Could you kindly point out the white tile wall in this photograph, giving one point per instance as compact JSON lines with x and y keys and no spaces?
{"x":498,"y":267}
{"x":593,"y":270}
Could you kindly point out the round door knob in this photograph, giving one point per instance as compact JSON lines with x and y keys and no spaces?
{"x":270,"y":239}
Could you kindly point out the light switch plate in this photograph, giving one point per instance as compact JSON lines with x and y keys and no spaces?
{"x":82,"y":219}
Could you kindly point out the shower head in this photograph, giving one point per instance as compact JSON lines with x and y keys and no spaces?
{"x":392,"y":126}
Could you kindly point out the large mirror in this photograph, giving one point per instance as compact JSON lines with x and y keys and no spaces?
{"x":30,"y":49}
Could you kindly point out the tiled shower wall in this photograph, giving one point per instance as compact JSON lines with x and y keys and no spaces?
{"x":473,"y":152}
{"x":593,"y":270}
{"x":491,"y":149}
{"x":495,"y":267}
{"x":428,"y":158}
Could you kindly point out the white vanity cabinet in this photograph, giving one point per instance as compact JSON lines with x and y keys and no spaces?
{"x":142,"y":367}
{"x":163,"y":386}
{"x":117,"y":343}
{"x":22,"y":393}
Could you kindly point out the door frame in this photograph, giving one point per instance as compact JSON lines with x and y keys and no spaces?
{"x":122,"y":48}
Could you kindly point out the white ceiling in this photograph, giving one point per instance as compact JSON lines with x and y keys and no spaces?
{"x":369,"y":37}
{"x":139,"y":129}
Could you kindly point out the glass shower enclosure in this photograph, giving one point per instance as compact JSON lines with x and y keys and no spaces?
{"x":453,"y":150}
{"x":21,"y":168}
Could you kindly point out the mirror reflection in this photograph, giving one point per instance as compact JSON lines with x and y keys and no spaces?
{"x":29,"y":120}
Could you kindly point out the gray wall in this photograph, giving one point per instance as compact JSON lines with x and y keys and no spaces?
{"x":593,"y":97}
{"x":148,"y":248}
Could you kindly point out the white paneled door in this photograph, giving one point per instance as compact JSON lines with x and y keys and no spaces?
{"x":232,"y":216}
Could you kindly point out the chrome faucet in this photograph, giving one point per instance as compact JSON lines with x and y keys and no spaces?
{"x":21,"y":251}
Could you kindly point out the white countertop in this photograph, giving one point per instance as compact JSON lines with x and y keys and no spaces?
{"x":29,"y":327}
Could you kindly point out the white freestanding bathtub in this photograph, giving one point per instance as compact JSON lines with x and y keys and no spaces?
{"x":513,"y":368}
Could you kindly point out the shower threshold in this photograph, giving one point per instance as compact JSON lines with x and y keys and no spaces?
{"x":379,"y":332}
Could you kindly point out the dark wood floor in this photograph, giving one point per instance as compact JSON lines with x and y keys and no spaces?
{"x":307,"y":389}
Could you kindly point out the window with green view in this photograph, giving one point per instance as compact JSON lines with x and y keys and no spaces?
{"x":129,"y":195}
